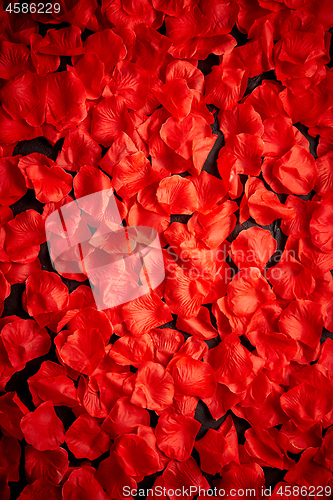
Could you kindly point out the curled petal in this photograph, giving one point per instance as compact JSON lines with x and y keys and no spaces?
{"x":175,"y":435}
{"x":303,"y":320}
{"x":153,"y":387}
{"x":12,"y":184}
{"x":45,"y":292}
{"x":248,"y":291}
{"x":297,"y":403}
{"x":218,"y":447}
{"x":231,"y":363}
{"x":50,"y":464}
{"x":109,"y":118}
{"x":42,"y":428}
{"x":82,"y":484}
{"x":290,"y":279}
{"x":125,"y":417}
{"x":192,"y":377}
{"x":253,"y":248}
{"x":138,"y":457}
{"x":24,"y":340}
{"x":79,"y":149}
{"x":321,"y":227}
{"x":83,"y":350}
{"x":86,"y":439}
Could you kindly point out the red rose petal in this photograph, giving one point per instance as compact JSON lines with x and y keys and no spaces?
{"x":42,"y":428}
{"x":82,"y":485}
{"x":86,"y":439}
{"x":175,"y":435}
{"x":153,"y":387}
{"x":51,"y":464}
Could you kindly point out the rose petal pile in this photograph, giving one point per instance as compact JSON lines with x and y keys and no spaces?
{"x":134,"y":96}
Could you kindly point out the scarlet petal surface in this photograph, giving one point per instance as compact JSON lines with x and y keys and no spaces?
{"x":42,"y":428}
{"x":139,"y":459}
{"x":81,"y":484}
{"x":218,"y":448}
{"x":192,"y":377}
{"x":45,"y":293}
{"x":12,"y":181}
{"x":97,"y":43}
{"x":50,"y":183}
{"x":88,"y":316}
{"x":90,"y":180}
{"x":63,"y":42}
{"x":248,"y":291}
{"x":298,"y":405}
{"x":177,"y":195}
{"x":131,"y":82}
{"x":176,"y":97}
{"x":4,"y":290}
{"x":290,"y":279}
{"x":278,"y":137}
{"x":183,"y":475}
{"x":24,"y":340}
{"x":153,"y":387}
{"x":261,"y":444}
{"x":313,"y":258}
{"x":324,"y":454}
{"x":231,"y":363}
{"x":308,"y":472}
{"x":132,"y":174}
{"x":90,"y":70}
{"x":86,"y":439}
{"x":180,"y":135}
{"x":217,"y":135}
{"x":302,"y":320}
{"x":39,"y":489}
{"x":144,"y":313}
{"x":166,"y":342}
{"x":133,"y":350}
{"x":175,"y":436}
{"x":79,"y":149}
{"x":225,"y":83}
{"x":321,"y":227}
{"x":185,"y":294}
{"x":65,"y":101}
{"x":265,"y":207}
{"x":324,"y":182}
{"x":242,"y":118}
{"x":12,"y":411}
{"x":112,"y":476}
{"x":14,"y":59}
{"x":24,"y":98}
{"x":110,"y":118}
{"x":51,"y":383}
{"x":83,"y":350}
{"x":275,"y":348}
{"x":125,"y":417}
{"x":296,"y":170}
{"x":199,"y":326}
{"x":50,"y":464}
{"x":253,"y":248}
{"x":24,"y":234}
{"x":243,"y":476}
{"x":298,"y":226}
{"x":10,"y":457}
